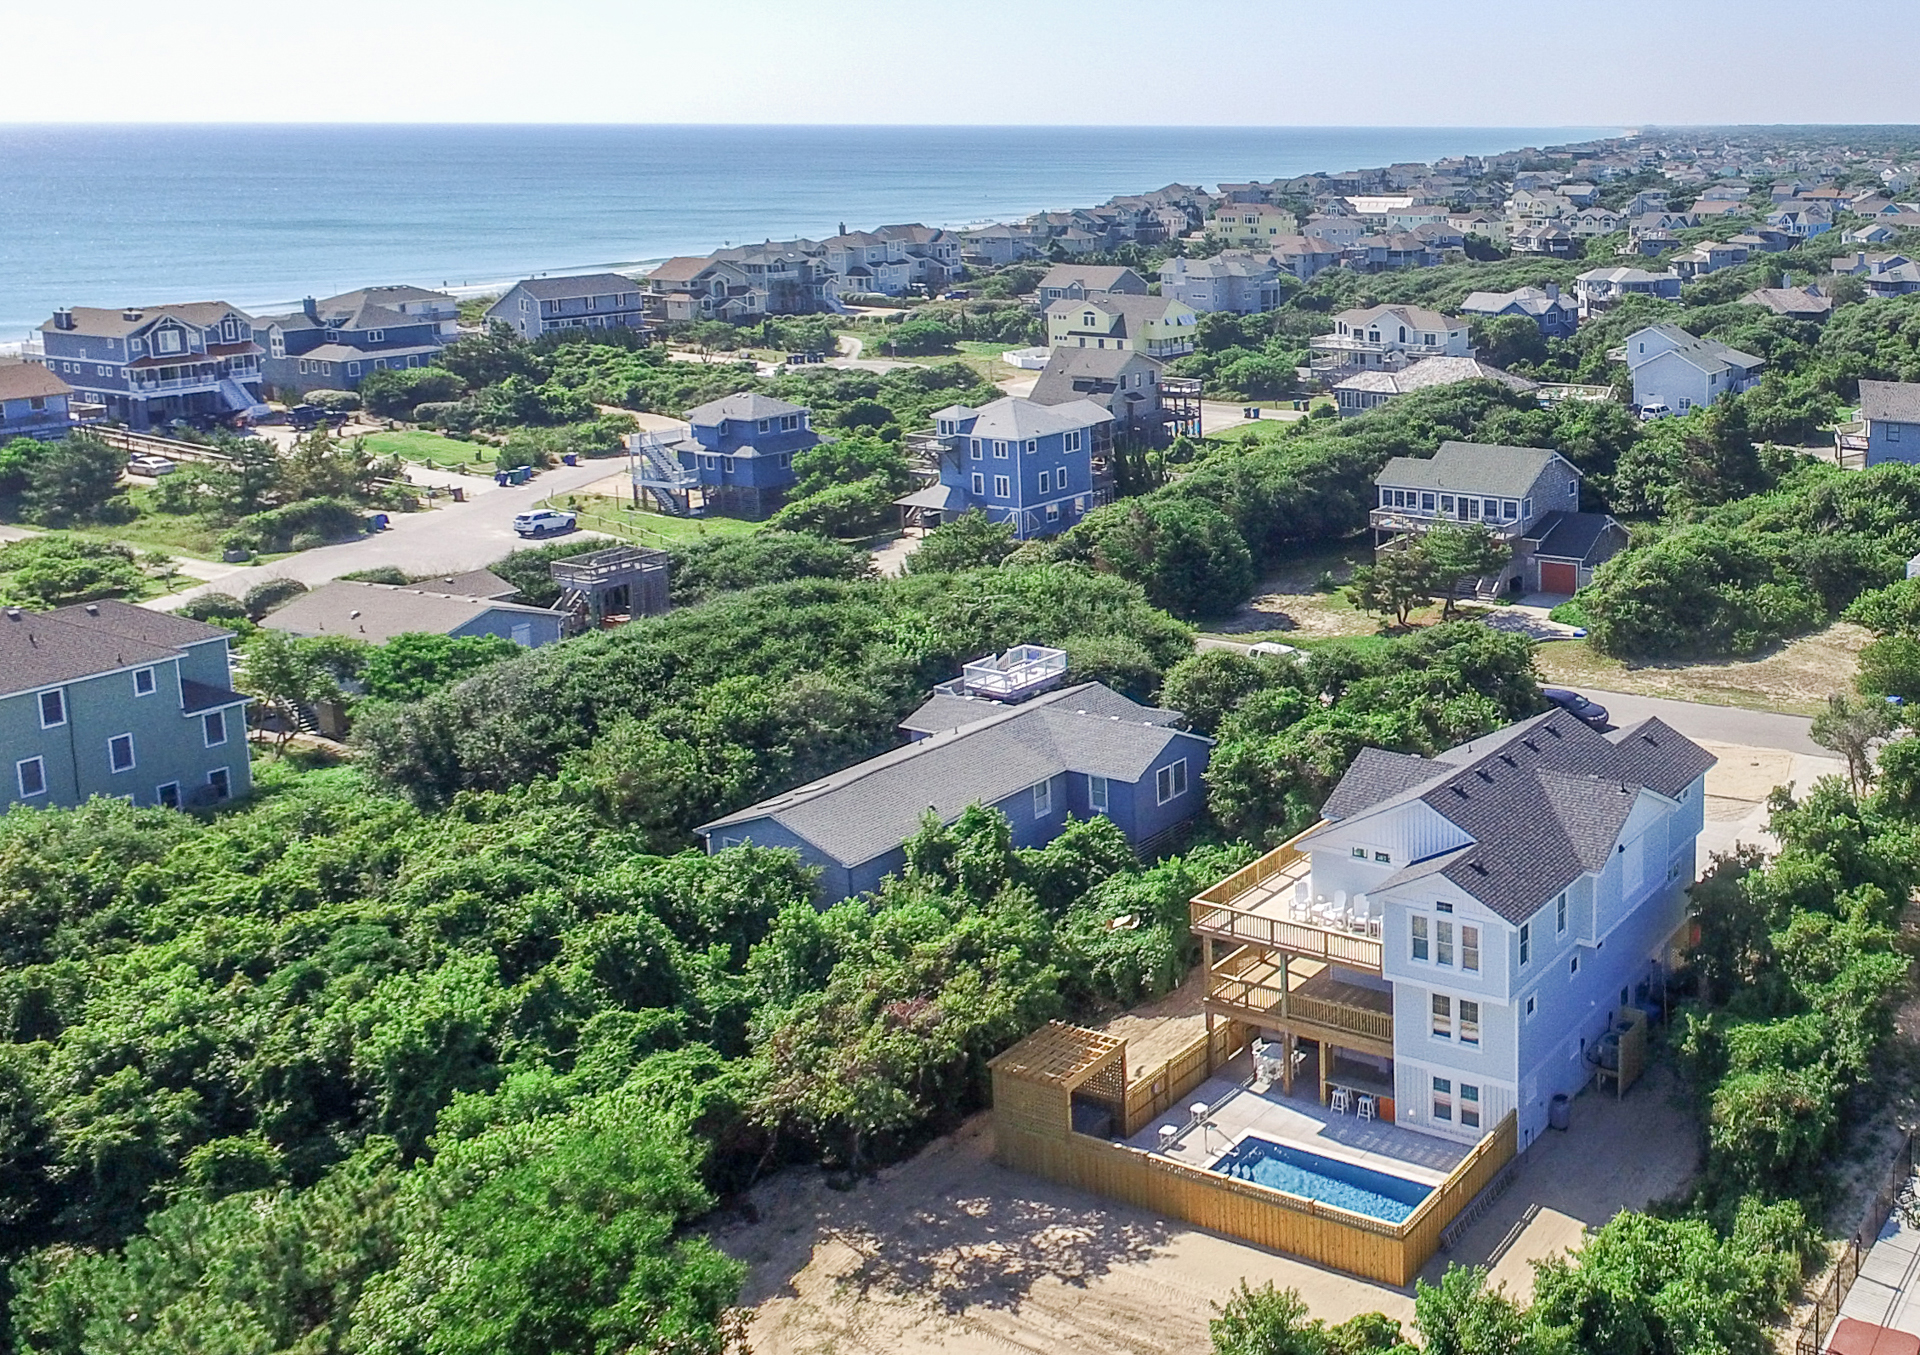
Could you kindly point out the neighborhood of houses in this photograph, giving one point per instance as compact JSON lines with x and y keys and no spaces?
{"x":1461,"y":943}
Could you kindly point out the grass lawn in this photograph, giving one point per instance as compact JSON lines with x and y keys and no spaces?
{"x":617,"y":517}
{"x":433,"y":449}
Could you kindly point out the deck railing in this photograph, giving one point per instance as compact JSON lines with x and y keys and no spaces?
{"x":1268,"y":1003}
{"x":1213,"y":913}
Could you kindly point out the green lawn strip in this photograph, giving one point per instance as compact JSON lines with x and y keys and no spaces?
{"x":433,"y":449}
{"x":616,"y":517}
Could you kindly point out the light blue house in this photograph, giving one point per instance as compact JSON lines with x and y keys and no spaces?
{"x":151,"y":365}
{"x":1890,"y":420}
{"x":1039,"y":467}
{"x":539,"y":306}
{"x":34,"y":402}
{"x":103,"y":698}
{"x":741,"y":452}
{"x":1076,"y":751}
{"x":1674,"y":371}
{"x":1474,"y":933}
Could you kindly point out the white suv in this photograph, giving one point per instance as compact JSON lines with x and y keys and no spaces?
{"x":543,"y":522}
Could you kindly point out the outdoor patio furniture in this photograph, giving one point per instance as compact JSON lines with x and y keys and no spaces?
{"x":1364,"y":1106}
{"x":1342,"y":1100}
{"x":1168,"y":1133}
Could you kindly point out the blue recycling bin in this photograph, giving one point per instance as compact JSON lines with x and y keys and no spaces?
{"x":377,"y":522}
{"x":569,"y":458}
{"x":501,"y":477}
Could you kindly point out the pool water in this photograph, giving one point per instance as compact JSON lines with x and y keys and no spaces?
{"x":1297,"y":1172}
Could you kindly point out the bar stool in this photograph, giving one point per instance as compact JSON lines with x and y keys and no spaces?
{"x":1365,"y":1106}
{"x":1342,"y":1099}
{"x":1168,"y":1133}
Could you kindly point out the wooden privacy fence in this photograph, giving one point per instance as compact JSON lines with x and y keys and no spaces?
{"x":1154,"y":1092}
{"x":1034,"y":1086}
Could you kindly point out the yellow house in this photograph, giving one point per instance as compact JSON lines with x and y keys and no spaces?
{"x":1250,"y":224}
{"x":1159,"y":326}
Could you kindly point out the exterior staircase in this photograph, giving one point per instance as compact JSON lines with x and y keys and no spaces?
{"x":658,"y":472}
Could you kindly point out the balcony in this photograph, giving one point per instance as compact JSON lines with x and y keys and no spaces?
{"x":1414,"y":520}
{"x":1254,"y":987}
{"x":1271,"y":904}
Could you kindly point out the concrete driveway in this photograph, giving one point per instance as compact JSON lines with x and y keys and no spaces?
{"x":448,"y":539}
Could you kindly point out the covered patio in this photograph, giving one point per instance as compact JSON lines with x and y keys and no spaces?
{"x":1237,"y":1106}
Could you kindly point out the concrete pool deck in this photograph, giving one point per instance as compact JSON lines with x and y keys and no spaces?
{"x":1236,"y":1111}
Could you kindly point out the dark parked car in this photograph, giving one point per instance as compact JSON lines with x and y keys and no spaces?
{"x":1577,"y":706}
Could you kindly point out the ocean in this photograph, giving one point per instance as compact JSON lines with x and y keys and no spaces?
{"x":261,"y":216}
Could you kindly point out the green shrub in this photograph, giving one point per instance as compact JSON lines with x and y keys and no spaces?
{"x":270,"y":594}
{"x":314,"y":521}
{"x":207,"y":606}
{"x":335,"y":402}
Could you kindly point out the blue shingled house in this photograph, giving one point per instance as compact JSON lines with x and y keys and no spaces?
{"x":1041,"y":467}
{"x":988,"y":739}
{"x":742,"y":450}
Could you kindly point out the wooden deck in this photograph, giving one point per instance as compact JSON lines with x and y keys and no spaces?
{"x":1258,"y":906}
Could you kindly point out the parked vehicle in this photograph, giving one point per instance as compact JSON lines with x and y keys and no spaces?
{"x":957,"y":294}
{"x":1648,"y":413}
{"x":1269,"y":649}
{"x":151,"y":466}
{"x":544,"y":522}
{"x":1576,"y":705}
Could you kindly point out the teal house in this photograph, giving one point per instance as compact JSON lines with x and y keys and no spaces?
{"x":104,"y":698}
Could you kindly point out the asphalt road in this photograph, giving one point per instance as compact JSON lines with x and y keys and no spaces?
{"x":1722,"y":724}
{"x":456,"y":537}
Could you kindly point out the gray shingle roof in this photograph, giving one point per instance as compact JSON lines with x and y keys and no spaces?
{"x":1014,"y":417}
{"x":1543,"y":801}
{"x":1570,"y":536}
{"x":112,"y":324}
{"x":376,"y":612}
{"x":43,"y":649}
{"x":1470,"y":467}
{"x":1094,"y":277}
{"x":745,"y":405}
{"x":579,"y":284}
{"x":941,"y":711}
{"x":475,"y":583}
{"x":872,"y":807}
{"x":1897,"y":401}
{"x":24,"y":380}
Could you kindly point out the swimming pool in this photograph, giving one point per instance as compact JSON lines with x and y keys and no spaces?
{"x":1359,"y":1189}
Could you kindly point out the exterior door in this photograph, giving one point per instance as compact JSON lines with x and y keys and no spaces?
{"x":1558,"y":577}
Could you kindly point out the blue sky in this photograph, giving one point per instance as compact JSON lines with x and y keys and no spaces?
{"x":1487,"y":63}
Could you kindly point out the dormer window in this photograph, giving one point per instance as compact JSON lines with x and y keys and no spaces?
{"x":167,"y":341}
{"x":376,"y":336}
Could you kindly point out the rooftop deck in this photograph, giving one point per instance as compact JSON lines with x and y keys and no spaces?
{"x":1236,"y":1111}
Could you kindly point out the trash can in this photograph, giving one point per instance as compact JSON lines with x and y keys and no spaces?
{"x":1559,"y":1111}
{"x":569,"y":458}
{"x":502,"y":478}
{"x":376,"y":522}
{"x":459,"y":493}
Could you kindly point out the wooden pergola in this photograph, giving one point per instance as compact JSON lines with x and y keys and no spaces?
{"x":1036,"y":1081}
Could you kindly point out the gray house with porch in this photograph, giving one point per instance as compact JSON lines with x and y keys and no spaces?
{"x":1528,"y":498}
{"x":1078,"y":751}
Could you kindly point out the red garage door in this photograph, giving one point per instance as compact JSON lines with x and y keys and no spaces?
{"x":1557,"y":578}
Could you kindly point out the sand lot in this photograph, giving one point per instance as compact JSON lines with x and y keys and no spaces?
{"x":949,"y":1252}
